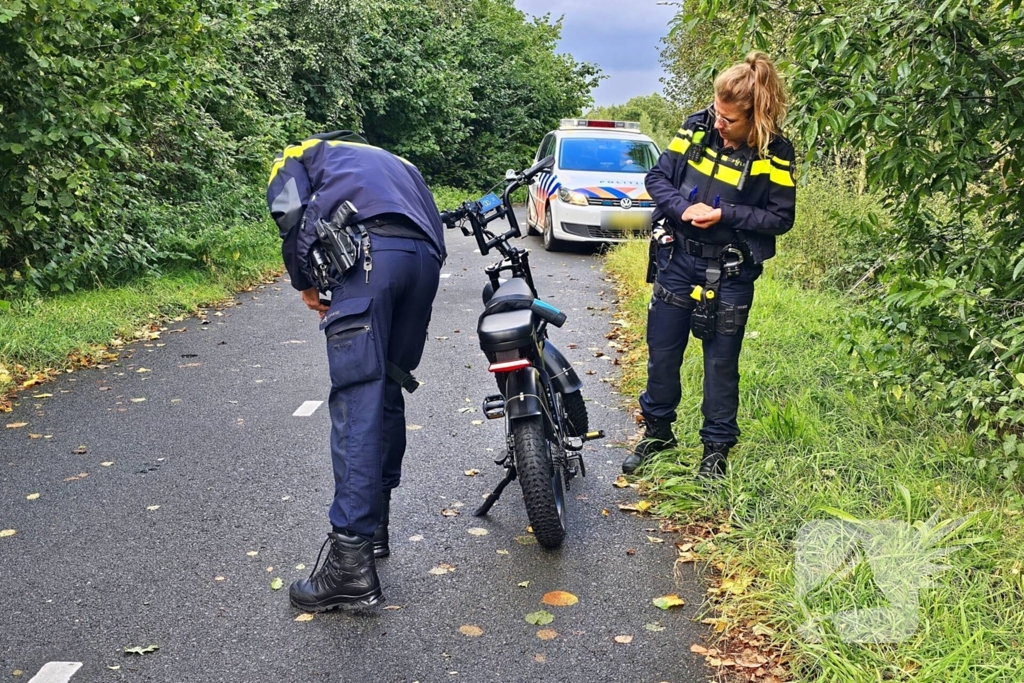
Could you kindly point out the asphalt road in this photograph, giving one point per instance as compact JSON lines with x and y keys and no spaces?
{"x":175,"y":486}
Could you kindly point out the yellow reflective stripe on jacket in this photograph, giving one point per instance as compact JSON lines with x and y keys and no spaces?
{"x":769,"y":167}
{"x":680,"y":143}
{"x":727,"y":175}
{"x":291,"y":152}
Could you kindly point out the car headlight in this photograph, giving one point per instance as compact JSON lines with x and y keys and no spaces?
{"x":571,"y":197}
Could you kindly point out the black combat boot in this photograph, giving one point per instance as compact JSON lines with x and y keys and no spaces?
{"x":712,"y":465}
{"x":381,"y":548}
{"x":658,"y":437}
{"x":348,"y":577}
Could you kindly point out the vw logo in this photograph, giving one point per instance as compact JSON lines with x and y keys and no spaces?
{"x":626,"y":203}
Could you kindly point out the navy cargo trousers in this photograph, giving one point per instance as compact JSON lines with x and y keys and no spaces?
{"x":668,"y":332}
{"x":369,"y":323}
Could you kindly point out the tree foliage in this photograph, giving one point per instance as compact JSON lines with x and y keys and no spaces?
{"x":931,"y":94}
{"x":658,"y":117}
{"x":131,"y":132}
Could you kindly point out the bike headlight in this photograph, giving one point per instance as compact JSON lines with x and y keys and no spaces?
{"x":572,"y":197}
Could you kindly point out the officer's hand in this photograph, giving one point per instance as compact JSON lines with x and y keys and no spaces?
{"x":708,"y":219}
{"x":695,"y":210}
{"x":311,"y":297}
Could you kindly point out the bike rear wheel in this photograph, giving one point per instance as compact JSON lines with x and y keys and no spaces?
{"x":576,"y":421}
{"x":542,"y":482}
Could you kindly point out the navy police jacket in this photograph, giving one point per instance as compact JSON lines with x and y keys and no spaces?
{"x":753,"y":215}
{"x":310,"y":180}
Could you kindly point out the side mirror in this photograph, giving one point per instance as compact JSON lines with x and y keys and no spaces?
{"x":511,"y":175}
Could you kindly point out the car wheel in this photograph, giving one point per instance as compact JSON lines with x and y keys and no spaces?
{"x":550,"y":243}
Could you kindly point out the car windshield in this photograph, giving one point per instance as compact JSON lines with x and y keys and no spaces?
{"x":607,"y":154}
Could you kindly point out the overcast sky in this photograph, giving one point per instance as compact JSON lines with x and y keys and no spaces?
{"x":621,"y":36}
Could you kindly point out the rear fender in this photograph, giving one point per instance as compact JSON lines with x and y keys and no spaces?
{"x":522,"y":394}
{"x":563,"y":378}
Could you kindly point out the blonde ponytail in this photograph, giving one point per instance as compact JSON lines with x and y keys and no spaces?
{"x":755,"y":86}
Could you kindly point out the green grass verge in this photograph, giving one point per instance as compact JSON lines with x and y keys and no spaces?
{"x":814,"y":449}
{"x":60,"y":331}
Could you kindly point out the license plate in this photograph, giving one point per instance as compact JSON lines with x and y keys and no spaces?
{"x":626,"y":221}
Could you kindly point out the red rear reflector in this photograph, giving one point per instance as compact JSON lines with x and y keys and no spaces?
{"x":509,"y":366}
{"x":600,"y":124}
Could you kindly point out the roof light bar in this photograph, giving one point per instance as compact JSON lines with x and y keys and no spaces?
{"x":596,"y":123}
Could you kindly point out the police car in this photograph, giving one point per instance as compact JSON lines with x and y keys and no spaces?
{"x":595,"y":191}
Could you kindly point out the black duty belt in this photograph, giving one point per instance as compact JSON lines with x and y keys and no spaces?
{"x":703,"y":249}
{"x":394,"y":225}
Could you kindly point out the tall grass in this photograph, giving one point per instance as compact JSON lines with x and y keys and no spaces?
{"x":813,"y":447}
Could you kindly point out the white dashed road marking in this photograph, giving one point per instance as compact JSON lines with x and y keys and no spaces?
{"x":307,"y":408}
{"x":56,"y":672}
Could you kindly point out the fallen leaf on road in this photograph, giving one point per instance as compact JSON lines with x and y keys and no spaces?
{"x":539,"y":658}
{"x":471,"y":473}
{"x":138,"y":400}
{"x":559,"y":599}
{"x":524,"y":584}
{"x":139,"y":650}
{"x":300,"y":567}
{"x":605,"y":512}
{"x":502,"y":552}
{"x":143,"y":370}
{"x":7,"y":533}
{"x":16,"y":425}
{"x":415,"y":539}
{"x":253,"y":553}
{"x":42,"y":395}
{"x":393,"y":607}
{"x":526,"y":540}
{"x":32,"y":496}
{"x":106,"y":464}
{"x":547,"y":634}
{"x":413,"y":428}
{"x":276,"y":584}
{"x":35,"y":436}
{"x":698,"y":649}
{"x":190,"y":365}
{"x":643,"y":506}
{"x":81,"y":450}
{"x":115,"y":668}
{"x":540,"y":618}
{"x":620,"y":482}
{"x":448,"y":512}
{"x":624,"y":640}
{"x":718,"y":623}
{"x":304,"y":617}
{"x":668,"y":601}
{"x":218,"y":578}
{"x":657,"y":628}
{"x":442,"y":569}
{"x":471,"y":631}
{"x":477,"y":422}
{"x":655,"y":539}
{"x":270,"y":569}
{"x":477,"y":531}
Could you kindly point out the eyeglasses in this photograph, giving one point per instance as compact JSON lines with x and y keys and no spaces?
{"x":717,"y":117}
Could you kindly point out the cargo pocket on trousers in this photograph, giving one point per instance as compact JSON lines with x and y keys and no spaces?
{"x":351,"y":343}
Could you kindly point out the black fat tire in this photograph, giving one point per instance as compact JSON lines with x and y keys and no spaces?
{"x":576,"y":421}
{"x":533,"y":464}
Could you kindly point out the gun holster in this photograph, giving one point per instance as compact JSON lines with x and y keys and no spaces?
{"x":337,"y":244}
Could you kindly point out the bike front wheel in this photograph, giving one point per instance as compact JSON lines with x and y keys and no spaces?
{"x":542,"y":482}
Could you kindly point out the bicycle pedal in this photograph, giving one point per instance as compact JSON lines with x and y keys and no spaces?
{"x":494,"y":407}
{"x":571,"y":443}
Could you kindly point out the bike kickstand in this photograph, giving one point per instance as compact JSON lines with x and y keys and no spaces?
{"x":493,"y":497}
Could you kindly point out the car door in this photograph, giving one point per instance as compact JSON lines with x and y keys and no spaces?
{"x":536,"y":195}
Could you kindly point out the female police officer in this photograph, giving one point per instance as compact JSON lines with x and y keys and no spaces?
{"x":724,"y":188}
{"x":376,"y":328}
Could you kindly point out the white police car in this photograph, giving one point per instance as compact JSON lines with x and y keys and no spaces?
{"x":595,"y":191}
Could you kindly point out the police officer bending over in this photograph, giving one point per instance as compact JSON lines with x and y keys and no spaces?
{"x":725,"y":190}
{"x":375,"y":326}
